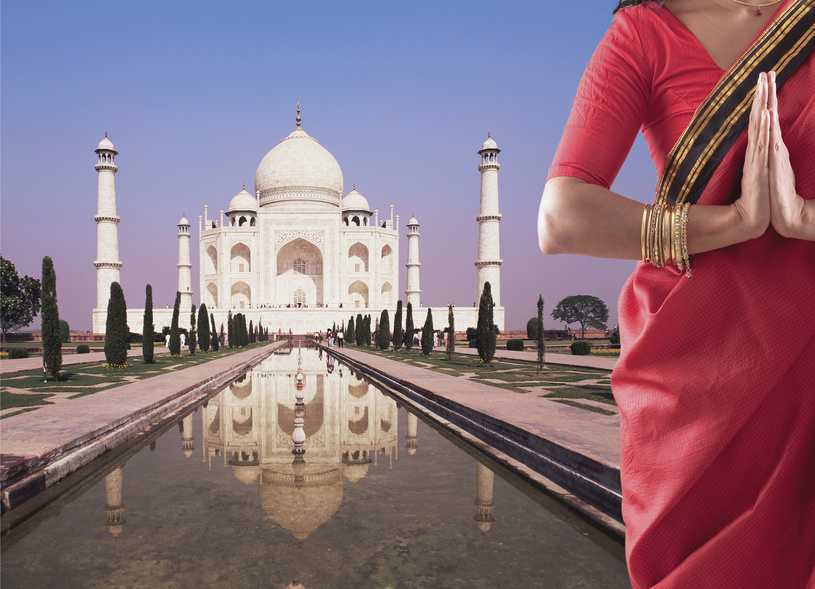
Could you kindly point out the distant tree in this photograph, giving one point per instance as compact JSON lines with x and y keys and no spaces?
{"x":397,"y":327}
{"x":230,"y":326}
{"x":359,"y":328}
{"x":192,"y":340}
{"x":366,"y":340}
{"x":384,"y":339}
{"x":175,"y":334}
{"x":204,"y":334}
{"x":586,"y":310}
{"x":350,"y":334}
{"x":251,"y":332}
{"x":451,"y":332}
{"x":20,"y":298}
{"x":409,"y":328}
{"x":223,"y":334}
{"x":214,"y":334}
{"x":427,"y":334}
{"x":485,"y":340}
{"x":148,"y":330}
{"x":64,"y":331}
{"x":261,"y":335}
{"x":116,"y":330}
{"x":539,"y":336}
{"x":51,"y":342}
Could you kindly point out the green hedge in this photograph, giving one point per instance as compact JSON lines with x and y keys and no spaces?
{"x":516,"y":345}
{"x":83,"y":349}
{"x":472,"y":344}
{"x":17,"y":353}
{"x":581,"y":348}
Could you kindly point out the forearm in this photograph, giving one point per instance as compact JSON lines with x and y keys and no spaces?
{"x":580,"y":218}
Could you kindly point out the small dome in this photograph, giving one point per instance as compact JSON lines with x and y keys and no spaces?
{"x":489,"y":144}
{"x":355,"y":472}
{"x":413,"y":221}
{"x":243,"y":201}
{"x":106,"y":145}
{"x":184,"y":222}
{"x":354,"y":201}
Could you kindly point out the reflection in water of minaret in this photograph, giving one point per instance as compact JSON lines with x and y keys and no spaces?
{"x":484,"y":504}
{"x":114,"y":506}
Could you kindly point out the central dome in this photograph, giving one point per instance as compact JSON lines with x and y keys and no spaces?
{"x":299,"y":169}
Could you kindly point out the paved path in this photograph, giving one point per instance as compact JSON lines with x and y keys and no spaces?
{"x":20,"y":364}
{"x":56,"y":439}
{"x":551,"y":358}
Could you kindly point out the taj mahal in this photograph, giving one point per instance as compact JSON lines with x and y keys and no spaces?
{"x":298,"y":255}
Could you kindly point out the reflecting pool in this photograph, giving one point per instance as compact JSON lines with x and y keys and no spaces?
{"x":373,"y":496}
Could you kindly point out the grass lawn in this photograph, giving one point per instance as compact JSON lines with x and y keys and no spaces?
{"x":86,"y":379}
{"x":566,"y":384}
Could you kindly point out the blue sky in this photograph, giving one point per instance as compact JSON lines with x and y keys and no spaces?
{"x":194,"y":94}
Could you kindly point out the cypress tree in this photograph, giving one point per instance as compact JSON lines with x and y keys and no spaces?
{"x":485,"y":338}
{"x":541,"y":344}
{"x":260,"y":330}
{"x":384,"y":331}
{"x":427,"y":334}
{"x":409,"y":328}
{"x":350,"y":334}
{"x":360,"y":329}
{"x":245,"y":330}
{"x":214,"y":334}
{"x":175,"y":336}
{"x":367,"y":341}
{"x":64,"y":331}
{"x":192,"y":339}
{"x":251,"y":332}
{"x":51,"y":342}
{"x":397,"y":326}
{"x":203,"y":328}
{"x":223,"y":334}
{"x":230,"y":329}
{"x":148,"y":332}
{"x":116,"y":331}
{"x":451,"y":332}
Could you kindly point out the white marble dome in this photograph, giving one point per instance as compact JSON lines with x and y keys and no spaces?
{"x":243,"y":201}
{"x":299,"y":168}
{"x":488,"y":144}
{"x":105,"y":144}
{"x":354,"y":201}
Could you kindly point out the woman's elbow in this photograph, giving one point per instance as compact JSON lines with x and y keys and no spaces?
{"x":550,"y":240}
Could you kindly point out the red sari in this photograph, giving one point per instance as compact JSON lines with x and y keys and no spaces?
{"x":716,"y":382}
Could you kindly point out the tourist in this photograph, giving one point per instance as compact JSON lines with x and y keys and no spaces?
{"x":167,"y":340}
{"x":340,"y":336}
{"x":716,"y":406}
{"x":183,"y":337}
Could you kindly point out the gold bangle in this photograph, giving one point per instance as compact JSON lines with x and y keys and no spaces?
{"x":667,"y":257}
{"x":677,"y":237}
{"x":649,"y":235}
{"x":644,"y":232}
{"x":685,"y":256}
{"x":653,"y":243}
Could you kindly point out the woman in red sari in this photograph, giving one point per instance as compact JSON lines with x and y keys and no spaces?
{"x":716,"y":380}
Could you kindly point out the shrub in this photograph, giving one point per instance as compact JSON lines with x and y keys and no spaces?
{"x":64,"y":331}
{"x":532,"y":328}
{"x":516,"y":345}
{"x":83,"y":349}
{"x":614,"y":338}
{"x":17,"y":353}
{"x":472,"y":344}
{"x":581,"y":348}
{"x":472,"y":333}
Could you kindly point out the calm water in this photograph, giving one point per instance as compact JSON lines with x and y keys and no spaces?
{"x":381,"y":499}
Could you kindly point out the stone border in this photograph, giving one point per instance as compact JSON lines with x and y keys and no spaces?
{"x":588,"y":486}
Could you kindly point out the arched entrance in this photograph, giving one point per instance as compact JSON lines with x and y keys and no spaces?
{"x":299,"y":274}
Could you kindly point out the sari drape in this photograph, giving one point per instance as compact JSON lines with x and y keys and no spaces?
{"x":716,"y":390}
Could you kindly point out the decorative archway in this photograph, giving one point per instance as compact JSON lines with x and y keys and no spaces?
{"x":357,"y":258}
{"x":240,"y":258}
{"x":240,"y":295}
{"x":211,"y":261}
{"x":212,"y":295}
{"x":299,"y":268}
{"x":387,"y":259}
{"x":385,"y":294}
{"x":358,"y":295}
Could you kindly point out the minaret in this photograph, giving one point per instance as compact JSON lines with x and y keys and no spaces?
{"x":484,"y":504}
{"x":114,"y":506}
{"x":107,"y":235}
{"x":489,"y":250}
{"x":184,"y":266}
{"x":412,"y":291}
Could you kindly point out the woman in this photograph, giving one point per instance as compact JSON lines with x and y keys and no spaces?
{"x":716,"y":380}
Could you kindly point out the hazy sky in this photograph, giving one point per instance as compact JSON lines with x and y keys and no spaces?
{"x":194,"y":94}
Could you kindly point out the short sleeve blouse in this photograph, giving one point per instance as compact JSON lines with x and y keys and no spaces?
{"x":649,"y":73}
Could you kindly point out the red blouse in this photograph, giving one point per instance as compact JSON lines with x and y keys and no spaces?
{"x":649,"y":72}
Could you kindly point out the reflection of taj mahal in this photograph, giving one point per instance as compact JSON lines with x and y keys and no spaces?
{"x":350,"y":427}
{"x":297,"y":254}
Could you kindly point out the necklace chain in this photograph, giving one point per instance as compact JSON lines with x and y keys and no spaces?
{"x":762,"y":5}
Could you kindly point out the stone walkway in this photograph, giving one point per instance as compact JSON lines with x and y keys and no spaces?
{"x":41,"y":447}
